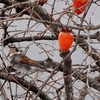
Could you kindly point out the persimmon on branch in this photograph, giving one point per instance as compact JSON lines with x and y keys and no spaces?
{"x":46,"y":17}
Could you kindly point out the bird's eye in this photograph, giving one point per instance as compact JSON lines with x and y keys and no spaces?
{"x":16,"y":49}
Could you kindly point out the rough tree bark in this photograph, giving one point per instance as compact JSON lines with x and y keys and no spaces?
{"x":67,"y":70}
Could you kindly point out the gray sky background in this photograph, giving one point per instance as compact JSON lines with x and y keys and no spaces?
{"x":77,"y":56}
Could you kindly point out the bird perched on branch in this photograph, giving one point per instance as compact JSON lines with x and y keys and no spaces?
{"x":22,"y":63}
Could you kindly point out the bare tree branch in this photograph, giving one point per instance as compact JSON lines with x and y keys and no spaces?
{"x":67,"y":70}
{"x":25,"y":84}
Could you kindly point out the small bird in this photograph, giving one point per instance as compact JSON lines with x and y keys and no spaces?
{"x":24,"y":64}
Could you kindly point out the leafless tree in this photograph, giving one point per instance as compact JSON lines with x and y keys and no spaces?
{"x":33,"y":26}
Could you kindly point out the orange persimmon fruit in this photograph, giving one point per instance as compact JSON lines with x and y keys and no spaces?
{"x":79,"y":6}
{"x":65,"y":40}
